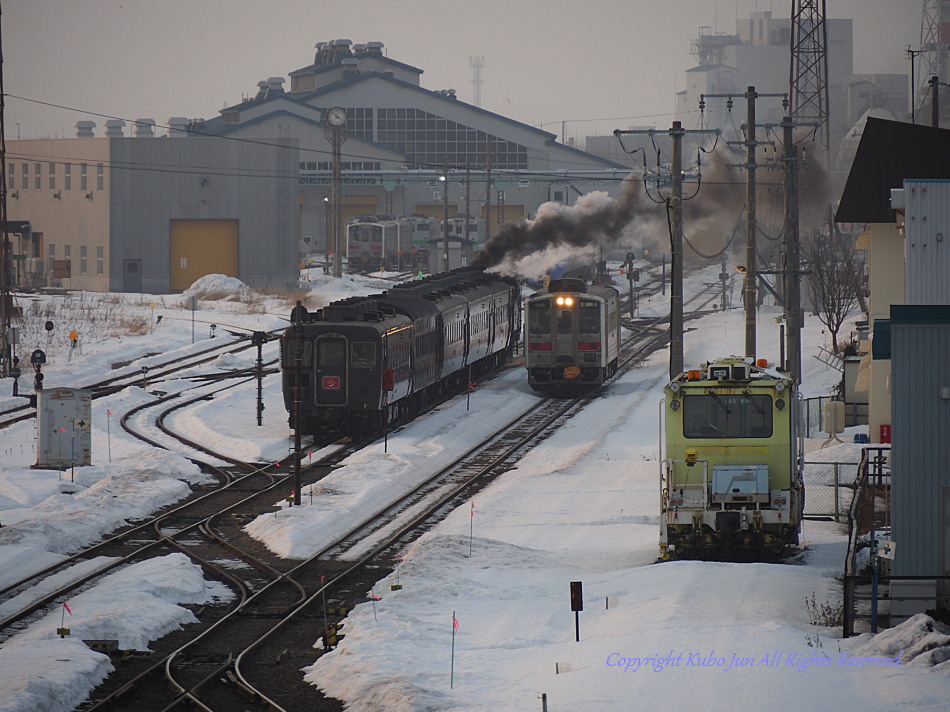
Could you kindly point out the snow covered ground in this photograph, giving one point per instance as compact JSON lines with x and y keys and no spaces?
{"x":583,"y":506}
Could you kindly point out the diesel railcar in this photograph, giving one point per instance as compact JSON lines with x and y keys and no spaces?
{"x":361,"y":363}
{"x":468,"y":228}
{"x":572,"y":335}
{"x":731,"y":473}
{"x":385,"y":243}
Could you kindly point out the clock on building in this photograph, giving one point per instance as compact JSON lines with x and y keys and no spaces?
{"x":336,"y":116}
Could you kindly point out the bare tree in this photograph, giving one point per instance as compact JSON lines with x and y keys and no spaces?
{"x":835,"y":280}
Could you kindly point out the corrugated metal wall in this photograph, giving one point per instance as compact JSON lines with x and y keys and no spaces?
{"x":920,"y":353}
{"x":927,"y":234}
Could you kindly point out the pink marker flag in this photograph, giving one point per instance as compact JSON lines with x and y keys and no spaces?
{"x":473,"y":509}
{"x":108,"y":411}
{"x":375,"y":597}
{"x":68,"y":609}
{"x":455,"y":623}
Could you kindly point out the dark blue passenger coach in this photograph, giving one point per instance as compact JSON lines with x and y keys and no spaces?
{"x":360,"y":363}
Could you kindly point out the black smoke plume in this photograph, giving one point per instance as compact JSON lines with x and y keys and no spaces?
{"x":595,"y":219}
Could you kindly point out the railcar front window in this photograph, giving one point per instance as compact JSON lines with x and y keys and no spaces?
{"x":588,"y":317}
{"x":565,"y":321}
{"x":539,"y":317}
{"x":331,"y":353}
{"x":296,"y":352}
{"x":715,"y":415}
{"x":363,"y":355}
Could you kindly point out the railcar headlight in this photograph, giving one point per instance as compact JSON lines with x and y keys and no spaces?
{"x":780,"y":386}
{"x":780,"y":404}
{"x":675,"y":404}
{"x":675,"y":387}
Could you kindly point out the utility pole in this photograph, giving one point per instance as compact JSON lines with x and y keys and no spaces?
{"x":335,"y":135}
{"x":468,"y":203}
{"x":749,"y":282}
{"x":6,"y":300}
{"x":675,"y":206}
{"x":676,"y":268}
{"x":491,"y":147}
{"x":445,"y":219}
{"x":912,"y":54}
{"x":337,"y":205}
{"x":791,"y":276}
{"x":934,"y":102}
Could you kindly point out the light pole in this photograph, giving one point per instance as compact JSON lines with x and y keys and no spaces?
{"x":336,"y":121}
{"x":445,"y":219}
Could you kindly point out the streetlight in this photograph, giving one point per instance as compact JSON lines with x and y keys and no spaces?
{"x":445,"y":219}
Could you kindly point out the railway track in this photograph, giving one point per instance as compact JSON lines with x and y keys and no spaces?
{"x":250,"y":651}
{"x":266,"y":671}
{"x":130,"y":376}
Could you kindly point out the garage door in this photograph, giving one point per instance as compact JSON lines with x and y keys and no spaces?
{"x":200,"y":247}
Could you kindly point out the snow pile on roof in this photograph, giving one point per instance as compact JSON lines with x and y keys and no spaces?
{"x":217,"y":286}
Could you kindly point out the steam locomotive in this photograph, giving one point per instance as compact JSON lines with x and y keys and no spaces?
{"x":361,"y":363}
{"x":731,"y":474}
{"x":572,"y":339}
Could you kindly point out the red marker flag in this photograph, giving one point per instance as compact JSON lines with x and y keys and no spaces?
{"x":68,"y":609}
{"x":375,"y":597}
{"x":455,"y":624}
{"x":473,"y":509}
{"x":108,"y":411}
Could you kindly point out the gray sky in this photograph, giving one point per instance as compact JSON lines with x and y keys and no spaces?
{"x":598,"y":64}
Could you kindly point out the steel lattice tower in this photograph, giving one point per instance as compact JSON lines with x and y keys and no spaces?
{"x":808,"y":69}
{"x":476,"y":64}
{"x":933,"y":51}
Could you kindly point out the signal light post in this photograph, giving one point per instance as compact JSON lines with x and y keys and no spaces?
{"x":259,"y":338}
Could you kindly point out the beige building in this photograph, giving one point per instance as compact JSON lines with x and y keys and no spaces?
{"x":142,"y":213}
{"x":889,"y":153}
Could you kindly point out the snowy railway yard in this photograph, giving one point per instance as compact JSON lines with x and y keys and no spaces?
{"x":477,"y":615}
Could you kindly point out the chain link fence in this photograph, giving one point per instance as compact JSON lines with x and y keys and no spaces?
{"x":829,"y":488}
{"x":813,"y":415}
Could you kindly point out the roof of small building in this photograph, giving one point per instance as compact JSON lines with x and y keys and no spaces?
{"x":889,"y":152}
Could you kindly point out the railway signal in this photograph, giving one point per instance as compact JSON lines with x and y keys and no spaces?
{"x":15,"y":374}
{"x":38,"y":358}
{"x":259,"y":338}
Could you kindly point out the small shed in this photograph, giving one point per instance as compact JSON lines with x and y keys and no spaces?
{"x":920,"y":505}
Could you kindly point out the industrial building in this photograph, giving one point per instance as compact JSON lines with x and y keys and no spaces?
{"x":406,"y":149}
{"x":141,"y":213}
{"x":247,"y":193}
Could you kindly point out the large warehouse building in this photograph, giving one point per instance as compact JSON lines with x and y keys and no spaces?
{"x":246,"y":192}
